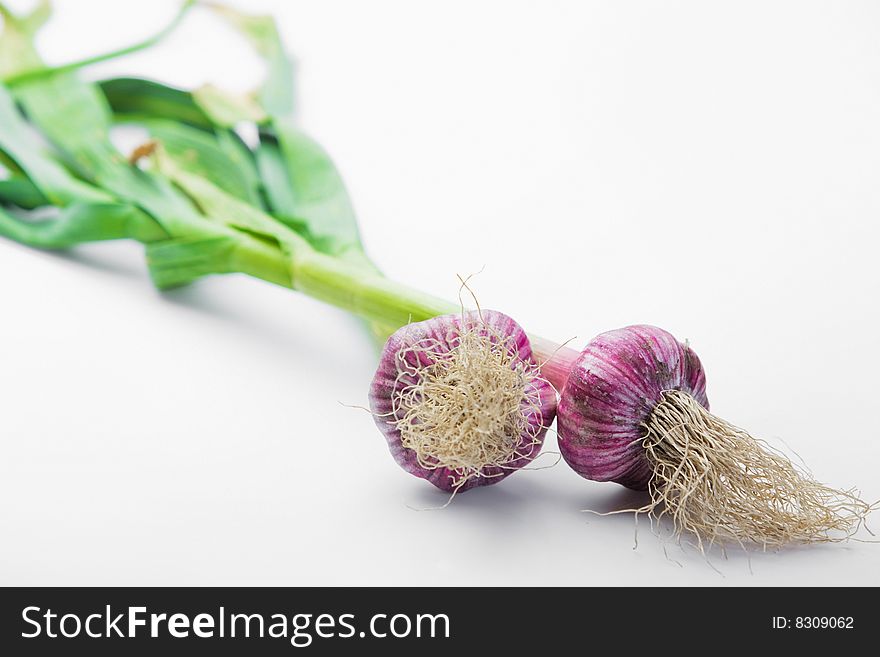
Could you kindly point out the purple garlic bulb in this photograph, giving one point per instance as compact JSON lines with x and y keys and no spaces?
{"x":612,"y":390}
{"x":461,"y":400}
{"x":634,"y":411}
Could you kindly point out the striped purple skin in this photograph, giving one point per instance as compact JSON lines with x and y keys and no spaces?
{"x":611,"y":390}
{"x":444,"y":329}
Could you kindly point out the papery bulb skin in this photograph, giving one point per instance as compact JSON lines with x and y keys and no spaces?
{"x":462,"y":366}
{"x":611,"y":391}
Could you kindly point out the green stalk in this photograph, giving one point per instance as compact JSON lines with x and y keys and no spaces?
{"x":346,"y":286}
{"x":278,"y":254}
{"x":378,"y":299}
{"x":365,"y":294}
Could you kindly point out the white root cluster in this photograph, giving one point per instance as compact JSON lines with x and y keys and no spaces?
{"x":468,"y":403}
{"x":721,"y":485}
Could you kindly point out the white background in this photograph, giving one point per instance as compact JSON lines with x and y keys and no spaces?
{"x":711,"y":168}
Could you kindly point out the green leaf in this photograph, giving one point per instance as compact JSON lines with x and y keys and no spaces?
{"x":182,"y":260}
{"x":81,"y":222}
{"x":28,"y":151}
{"x":321,"y":207}
{"x":226,"y":109}
{"x":276,"y":95}
{"x":138,"y":98}
{"x":314,"y":200}
{"x":239,"y":154}
{"x":276,"y":183}
{"x":74,"y":116}
{"x":19,"y":190}
{"x":220,"y":158}
{"x":187,"y":133}
{"x":19,"y":61}
{"x":319,"y":194}
{"x":17,"y":52}
{"x":221,"y":206}
{"x":78,"y":125}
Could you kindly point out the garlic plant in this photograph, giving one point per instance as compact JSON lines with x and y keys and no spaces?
{"x":463,"y":398}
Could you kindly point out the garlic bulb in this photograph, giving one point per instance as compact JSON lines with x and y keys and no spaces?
{"x":461,"y":400}
{"x":634,"y":411}
{"x":612,"y":388}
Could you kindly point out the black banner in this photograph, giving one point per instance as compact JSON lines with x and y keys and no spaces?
{"x":278,"y":621}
